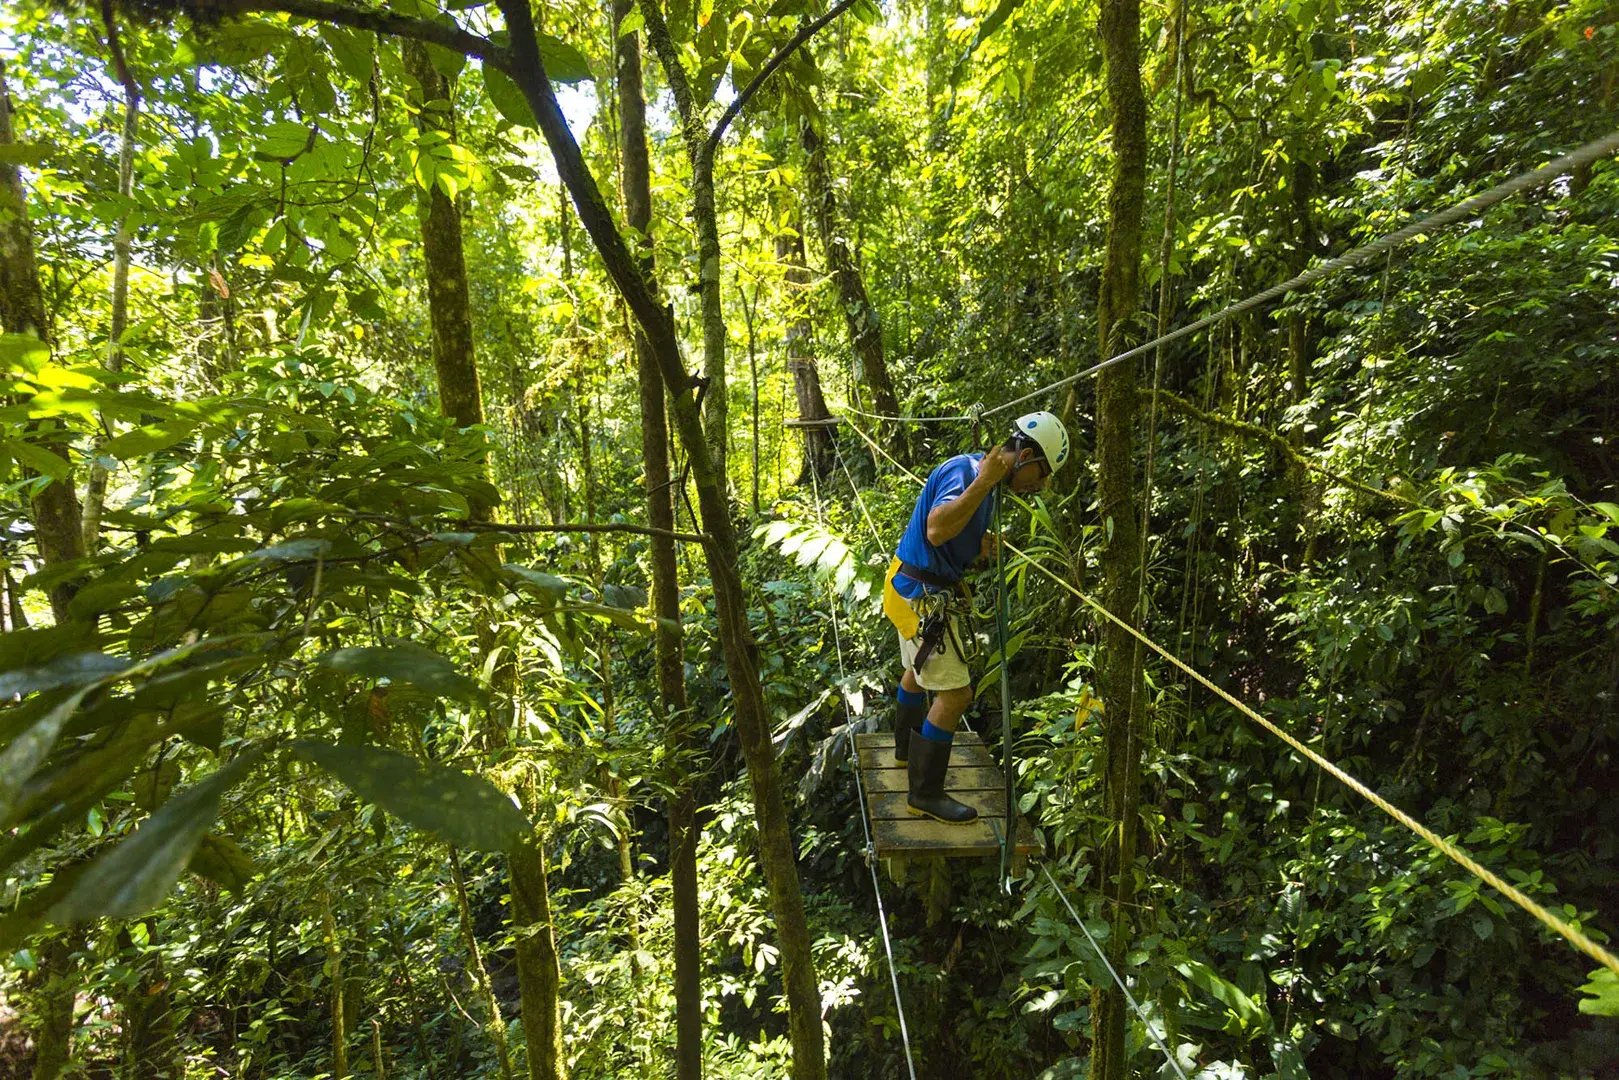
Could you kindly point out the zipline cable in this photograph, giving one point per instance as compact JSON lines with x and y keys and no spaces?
{"x":860,"y":794}
{"x":1101,"y":954}
{"x":1585,"y":155}
{"x":1573,"y":935}
{"x":1455,"y":853}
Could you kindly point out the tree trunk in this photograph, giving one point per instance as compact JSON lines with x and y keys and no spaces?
{"x":57,"y":979}
{"x":151,"y":1040}
{"x":705,"y":218}
{"x":665,"y":582}
{"x":58,"y":523}
{"x":859,"y":316}
{"x":480,"y":974}
{"x":95,"y":495}
{"x":778,"y":853}
{"x":334,"y":983}
{"x":539,"y":971}
{"x":801,"y":358}
{"x":447,"y":295}
{"x":1120,"y":671}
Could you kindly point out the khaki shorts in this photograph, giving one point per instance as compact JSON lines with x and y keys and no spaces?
{"x":946,"y":667}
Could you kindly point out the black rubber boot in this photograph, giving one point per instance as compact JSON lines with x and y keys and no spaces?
{"x":925,"y":770}
{"x":907,"y":722}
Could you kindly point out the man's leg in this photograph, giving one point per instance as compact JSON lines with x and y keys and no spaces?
{"x":909,"y":713}
{"x":929,"y":758}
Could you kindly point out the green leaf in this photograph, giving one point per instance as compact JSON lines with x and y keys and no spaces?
{"x":219,"y":858}
{"x":507,"y":99}
{"x":135,"y":876}
{"x":1604,"y":991}
{"x":632,"y":22}
{"x":447,"y":62}
{"x":23,"y":352}
{"x":468,"y":811}
{"x":563,"y":62}
{"x":284,"y":139}
{"x":42,"y":461}
{"x":25,"y":753}
{"x":350,"y":48}
{"x":148,"y":439}
{"x":292,"y":550}
{"x":405,"y":662}
{"x":73,"y":670}
{"x":24,"y":153}
{"x":550,"y":586}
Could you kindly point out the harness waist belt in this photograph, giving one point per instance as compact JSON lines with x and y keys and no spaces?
{"x":928,"y":577}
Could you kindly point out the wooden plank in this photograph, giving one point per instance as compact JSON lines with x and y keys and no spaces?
{"x":957,"y":779}
{"x":925,"y":837}
{"x":891,"y":804}
{"x":885,"y":739}
{"x":969,"y":756}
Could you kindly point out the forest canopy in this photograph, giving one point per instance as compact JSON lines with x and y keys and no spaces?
{"x":452,"y":455}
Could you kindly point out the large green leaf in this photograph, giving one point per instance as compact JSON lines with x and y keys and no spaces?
{"x":75,"y":669}
{"x":468,"y":811}
{"x":135,"y":876}
{"x":148,"y":439}
{"x":563,"y":62}
{"x":507,"y":99}
{"x":38,"y":458}
{"x":405,"y":662}
{"x":1604,"y":991}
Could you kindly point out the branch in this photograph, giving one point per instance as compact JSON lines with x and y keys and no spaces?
{"x":610,"y":527}
{"x":657,"y":32}
{"x":805,"y":32}
{"x":451,"y":37}
{"x":1271,"y":438}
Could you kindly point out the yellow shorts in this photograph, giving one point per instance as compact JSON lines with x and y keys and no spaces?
{"x":945,"y":667}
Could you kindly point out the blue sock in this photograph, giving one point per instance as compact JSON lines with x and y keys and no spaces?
{"x":935,"y":734}
{"x":909,"y":697}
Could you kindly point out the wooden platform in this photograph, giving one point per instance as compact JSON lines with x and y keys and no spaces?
{"x":974,"y":778}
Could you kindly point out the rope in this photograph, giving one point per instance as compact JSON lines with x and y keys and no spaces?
{"x":1569,"y":933}
{"x":1002,"y":619}
{"x":1585,"y":155}
{"x":871,"y":443}
{"x":1456,"y":854}
{"x":1102,"y":955}
{"x":860,"y":794}
{"x":907,"y":419}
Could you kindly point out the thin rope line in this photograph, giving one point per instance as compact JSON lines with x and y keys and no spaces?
{"x":1135,"y":1005}
{"x":860,"y":793}
{"x":1573,"y":936}
{"x":907,"y":419}
{"x":1455,"y":853}
{"x":885,"y":453}
{"x":1585,"y":155}
{"x":876,"y":535}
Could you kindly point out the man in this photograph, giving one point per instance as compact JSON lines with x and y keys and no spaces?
{"x":924,"y":597}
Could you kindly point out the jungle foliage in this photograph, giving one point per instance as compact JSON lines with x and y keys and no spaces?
{"x":296,"y":668}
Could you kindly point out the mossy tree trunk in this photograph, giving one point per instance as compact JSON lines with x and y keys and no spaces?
{"x":1119,"y":676}
{"x":801,"y":356}
{"x":859,"y":316}
{"x":58,"y":519}
{"x":777,"y":851}
{"x":665,"y":580}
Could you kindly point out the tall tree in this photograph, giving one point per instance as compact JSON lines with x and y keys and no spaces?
{"x":660,"y":494}
{"x":1120,"y":672}
{"x":859,"y":314}
{"x":123,"y":241}
{"x":58,"y":519}
{"x":447,"y":295}
{"x":801,"y":355}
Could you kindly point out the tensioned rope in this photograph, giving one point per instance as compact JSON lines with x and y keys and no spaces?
{"x":860,"y":791}
{"x":1585,"y":155}
{"x":1572,"y":934}
{"x":1101,"y":954}
{"x":1589,"y":153}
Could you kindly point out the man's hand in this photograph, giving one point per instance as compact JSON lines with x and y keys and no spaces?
{"x":996,"y":464}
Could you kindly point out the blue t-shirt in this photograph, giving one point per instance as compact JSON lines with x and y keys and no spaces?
{"x":950,"y":559}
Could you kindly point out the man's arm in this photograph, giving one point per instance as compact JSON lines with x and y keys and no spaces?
{"x":946,"y":520}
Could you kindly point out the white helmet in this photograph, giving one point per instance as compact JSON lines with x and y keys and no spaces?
{"x":1048,"y":433}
